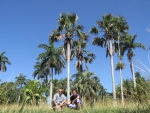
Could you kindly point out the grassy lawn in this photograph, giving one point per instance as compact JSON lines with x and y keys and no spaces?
{"x":127,"y":108}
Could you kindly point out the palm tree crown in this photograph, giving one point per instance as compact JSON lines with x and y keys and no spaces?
{"x":129,"y":45}
{"x":52,"y":57}
{"x":3,"y":61}
{"x":40,"y":72}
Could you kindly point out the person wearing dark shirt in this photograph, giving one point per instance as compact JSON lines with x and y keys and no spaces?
{"x":75,"y":100}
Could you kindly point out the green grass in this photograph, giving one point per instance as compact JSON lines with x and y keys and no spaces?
{"x":98,"y":108}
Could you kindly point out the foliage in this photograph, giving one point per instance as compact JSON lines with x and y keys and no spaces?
{"x":119,"y":66}
{"x":33,"y":92}
{"x":3,"y":61}
{"x":41,"y":72}
{"x":3,"y":96}
{"x":140,"y":94}
{"x":87,"y":85}
{"x":20,"y":80}
{"x":82,"y":55}
{"x":10,"y":91}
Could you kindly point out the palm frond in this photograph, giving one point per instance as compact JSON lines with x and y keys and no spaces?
{"x":119,"y":66}
{"x":98,"y":41}
{"x":140,"y":45}
{"x":94,"y":30}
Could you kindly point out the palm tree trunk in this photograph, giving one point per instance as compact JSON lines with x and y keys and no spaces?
{"x":51,"y":88}
{"x":80,"y":66}
{"x":94,"y":101}
{"x":68,"y":72}
{"x":122,"y":97}
{"x":132,"y":71}
{"x":82,"y":99}
{"x":112,"y":72}
{"x":19,"y":94}
{"x":46,"y":79}
{"x":18,"y":99}
{"x":103,"y":99}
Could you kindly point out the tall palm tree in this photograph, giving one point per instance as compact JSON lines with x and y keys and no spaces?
{"x":82,"y":55}
{"x":3,"y":61}
{"x":129,"y":45}
{"x":120,"y":66}
{"x":20,"y":81}
{"x":107,"y":25}
{"x":68,"y":28}
{"x":53,"y":60}
{"x":120,"y":29}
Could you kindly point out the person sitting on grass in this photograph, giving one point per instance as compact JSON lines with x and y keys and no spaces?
{"x":75,"y":100}
{"x":59,"y":100}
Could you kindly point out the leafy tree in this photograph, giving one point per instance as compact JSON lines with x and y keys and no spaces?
{"x":3,"y":61}
{"x":34,"y":92}
{"x":87,"y":84}
{"x":128,"y":89}
{"x":129,"y":45}
{"x":8,"y":92}
{"x":3,"y":96}
{"x":62,"y":83}
{"x":68,"y":28}
{"x":142,"y":88}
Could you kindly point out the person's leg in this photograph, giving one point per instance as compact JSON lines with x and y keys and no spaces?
{"x":62,"y":105}
{"x":58,"y":107}
{"x":79,"y":104}
{"x":73,"y":106}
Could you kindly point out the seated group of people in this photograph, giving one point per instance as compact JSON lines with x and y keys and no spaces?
{"x":59,"y":100}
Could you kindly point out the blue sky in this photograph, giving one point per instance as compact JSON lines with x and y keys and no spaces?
{"x":24,"y":24}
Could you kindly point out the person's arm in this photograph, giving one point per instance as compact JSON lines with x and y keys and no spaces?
{"x":63,"y":100}
{"x":55,"y":103}
{"x":75,"y":99}
{"x":54,"y":100}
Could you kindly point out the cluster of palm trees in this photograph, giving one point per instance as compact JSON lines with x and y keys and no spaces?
{"x":116,"y":39}
{"x":113,"y":36}
{"x":50,"y":63}
{"x":69,"y":29}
